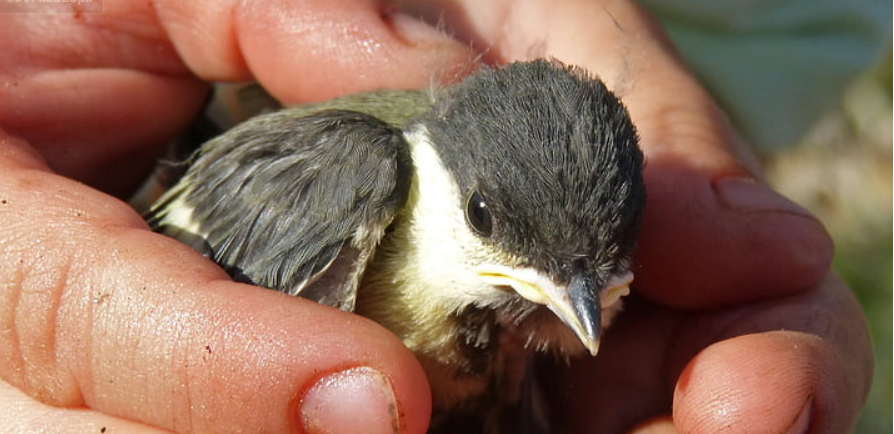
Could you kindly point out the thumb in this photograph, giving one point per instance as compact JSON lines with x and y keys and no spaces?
{"x":99,"y":312}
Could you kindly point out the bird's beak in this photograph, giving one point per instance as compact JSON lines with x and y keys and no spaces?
{"x":578,"y":304}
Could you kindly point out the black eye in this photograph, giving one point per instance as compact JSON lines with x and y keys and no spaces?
{"x":478,"y":215}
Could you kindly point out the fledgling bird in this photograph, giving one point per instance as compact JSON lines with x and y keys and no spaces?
{"x":479,"y":222}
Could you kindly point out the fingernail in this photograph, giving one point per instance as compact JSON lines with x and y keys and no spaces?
{"x":358,"y":400}
{"x":746,"y":194}
{"x":802,"y":422}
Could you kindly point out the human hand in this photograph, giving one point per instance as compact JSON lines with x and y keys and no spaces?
{"x":110,"y":325}
{"x":738,"y":325}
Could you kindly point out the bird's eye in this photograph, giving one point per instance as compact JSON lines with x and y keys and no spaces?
{"x":478,"y":215}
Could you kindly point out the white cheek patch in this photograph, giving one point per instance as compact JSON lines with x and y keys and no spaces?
{"x":443,"y":244}
{"x":434,"y":193}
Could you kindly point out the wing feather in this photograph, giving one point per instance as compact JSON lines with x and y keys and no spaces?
{"x":281,"y":198}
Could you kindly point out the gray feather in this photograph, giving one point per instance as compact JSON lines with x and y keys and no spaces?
{"x":282,"y":198}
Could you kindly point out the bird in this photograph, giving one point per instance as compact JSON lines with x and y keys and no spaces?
{"x":480,"y":222}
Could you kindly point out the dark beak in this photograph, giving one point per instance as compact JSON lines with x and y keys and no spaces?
{"x":586,"y":318}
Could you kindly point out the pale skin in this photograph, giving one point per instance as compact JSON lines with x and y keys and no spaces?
{"x":107,"y":325}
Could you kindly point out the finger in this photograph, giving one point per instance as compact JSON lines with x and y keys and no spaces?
{"x":735,"y":363}
{"x":122,"y":68}
{"x":627,"y":385}
{"x":710,"y":223}
{"x":22,"y":414}
{"x":732,"y":382}
{"x":721,"y":370}
{"x":313,"y":49}
{"x":815,"y":376}
{"x":102,"y":313}
{"x":96,"y":94}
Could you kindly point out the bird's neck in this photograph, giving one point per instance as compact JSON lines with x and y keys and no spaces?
{"x":455,"y":349}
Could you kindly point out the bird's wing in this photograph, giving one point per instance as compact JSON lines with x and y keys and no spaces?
{"x":292,"y":202}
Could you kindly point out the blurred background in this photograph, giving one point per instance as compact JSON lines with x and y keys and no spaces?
{"x":841,"y":171}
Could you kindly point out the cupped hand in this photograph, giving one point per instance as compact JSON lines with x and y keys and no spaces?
{"x":109,"y":325}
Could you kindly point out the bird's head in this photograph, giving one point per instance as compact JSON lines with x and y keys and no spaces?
{"x":529,"y":194}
